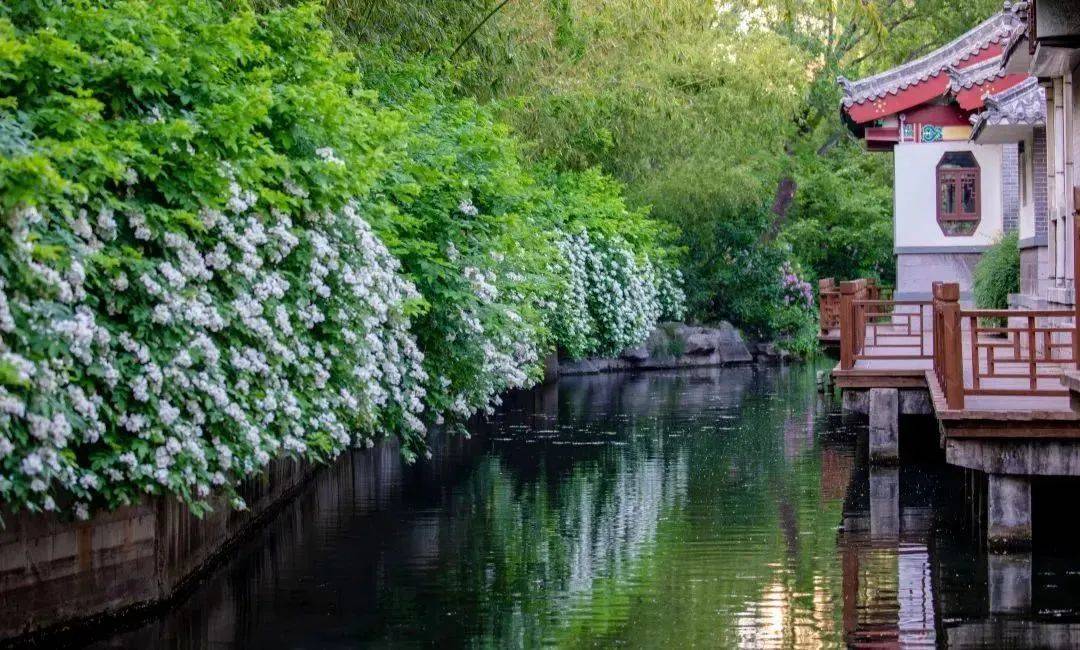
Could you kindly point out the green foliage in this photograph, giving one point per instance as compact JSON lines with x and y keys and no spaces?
{"x":998,"y":273}
{"x":701,"y":109}
{"x":222,"y":244}
{"x":185,"y":176}
{"x":841,"y":221}
{"x":737,"y":276}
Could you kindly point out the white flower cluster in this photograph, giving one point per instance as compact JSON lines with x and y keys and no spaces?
{"x":611,"y":300}
{"x":669,"y":291}
{"x":572,"y":320}
{"x":502,"y":345}
{"x":244,"y":340}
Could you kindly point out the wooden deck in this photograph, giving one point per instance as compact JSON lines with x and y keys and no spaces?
{"x":984,"y":380}
{"x":879,"y":370}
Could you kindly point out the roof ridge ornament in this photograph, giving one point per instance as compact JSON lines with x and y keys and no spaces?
{"x":1021,"y":105}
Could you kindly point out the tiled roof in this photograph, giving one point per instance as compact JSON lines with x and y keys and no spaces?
{"x":975,"y":75}
{"x":1023,"y":104}
{"x":999,"y":28}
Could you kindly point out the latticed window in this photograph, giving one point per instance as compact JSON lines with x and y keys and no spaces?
{"x":958,"y":209}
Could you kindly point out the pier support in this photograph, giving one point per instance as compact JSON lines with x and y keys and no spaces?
{"x":884,"y":425}
{"x":884,"y":502}
{"x":1008,"y":512}
{"x":1009,"y":582}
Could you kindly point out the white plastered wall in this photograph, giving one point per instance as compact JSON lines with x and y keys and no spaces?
{"x":915,"y":199}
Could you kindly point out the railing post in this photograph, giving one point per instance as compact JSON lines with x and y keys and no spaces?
{"x":847,"y":325}
{"x":825,"y":304}
{"x":952,"y":343}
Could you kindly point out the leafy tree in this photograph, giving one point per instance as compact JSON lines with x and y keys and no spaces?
{"x":841,"y":219}
{"x":707,"y":112}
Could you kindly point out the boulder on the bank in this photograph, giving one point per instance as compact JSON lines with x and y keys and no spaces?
{"x":770,"y":352}
{"x":672,"y":345}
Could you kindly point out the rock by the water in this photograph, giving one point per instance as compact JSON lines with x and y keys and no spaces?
{"x":700,"y":343}
{"x":672,"y":345}
{"x":770,"y":353}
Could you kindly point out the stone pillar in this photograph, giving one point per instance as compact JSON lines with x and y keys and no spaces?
{"x":884,"y":502}
{"x":884,"y":425}
{"x":1009,"y":582}
{"x":1008,"y":511}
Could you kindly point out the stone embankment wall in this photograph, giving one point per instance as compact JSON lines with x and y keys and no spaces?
{"x":55,"y":574}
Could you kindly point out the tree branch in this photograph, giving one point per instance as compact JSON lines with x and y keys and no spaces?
{"x":480,"y":24}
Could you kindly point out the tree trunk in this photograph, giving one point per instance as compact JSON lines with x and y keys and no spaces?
{"x":782,"y":200}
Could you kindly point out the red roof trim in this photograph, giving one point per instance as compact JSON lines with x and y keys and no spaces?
{"x":971,"y":99}
{"x":892,"y":104}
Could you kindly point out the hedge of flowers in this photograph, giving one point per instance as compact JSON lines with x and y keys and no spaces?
{"x":219,"y":247}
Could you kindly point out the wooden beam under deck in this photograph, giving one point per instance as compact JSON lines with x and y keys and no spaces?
{"x":857,"y":379}
{"x":1013,"y":417}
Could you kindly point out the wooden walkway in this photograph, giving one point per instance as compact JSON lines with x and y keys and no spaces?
{"x":878,"y":369}
{"x":989,"y":373}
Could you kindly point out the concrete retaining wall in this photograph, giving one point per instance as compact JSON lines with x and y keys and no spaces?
{"x":65,"y":574}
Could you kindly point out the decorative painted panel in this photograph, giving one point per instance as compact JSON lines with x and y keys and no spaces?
{"x":956,"y":133}
{"x":931,"y":133}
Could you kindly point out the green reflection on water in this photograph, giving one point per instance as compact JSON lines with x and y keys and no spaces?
{"x":658,"y":510}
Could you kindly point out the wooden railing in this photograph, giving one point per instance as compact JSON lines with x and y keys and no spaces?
{"x":1023,"y":357}
{"x":828,"y":305}
{"x":829,"y":300}
{"x":851,"y":336}
{"x":893,"y":329}
{"x":948,"y":343}
{"x":875,"y":327}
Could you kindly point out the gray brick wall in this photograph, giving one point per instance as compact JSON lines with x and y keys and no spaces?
{"x":1010,"y":187}
{"x":1038,"y":161}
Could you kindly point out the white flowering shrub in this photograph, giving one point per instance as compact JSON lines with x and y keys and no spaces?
{"x":622,"y":295}
{"x":187,"y":291}
{"x":610,"y":300}
{"x":573,"y":324}
{"x":467,"y":238}
{"x":191,"y":365}
{"x":217,"y":249}
{"x":670,"y":293}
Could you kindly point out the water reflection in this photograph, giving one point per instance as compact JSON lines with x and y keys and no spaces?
{"x":722,"y":508}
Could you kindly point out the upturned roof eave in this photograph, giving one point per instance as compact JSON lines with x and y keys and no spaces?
{"x":999,"y":28}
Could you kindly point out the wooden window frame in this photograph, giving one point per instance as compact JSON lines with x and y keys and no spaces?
{"x":955,"y":176}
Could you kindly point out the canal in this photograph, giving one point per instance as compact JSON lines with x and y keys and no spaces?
{"x":717,"y":508}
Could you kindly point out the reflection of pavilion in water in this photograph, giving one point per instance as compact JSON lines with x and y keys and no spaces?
{"x":896,"y":592}
{"x":888,"y":598}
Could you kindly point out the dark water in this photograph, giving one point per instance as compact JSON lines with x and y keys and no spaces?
{"x":715,"y":508}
